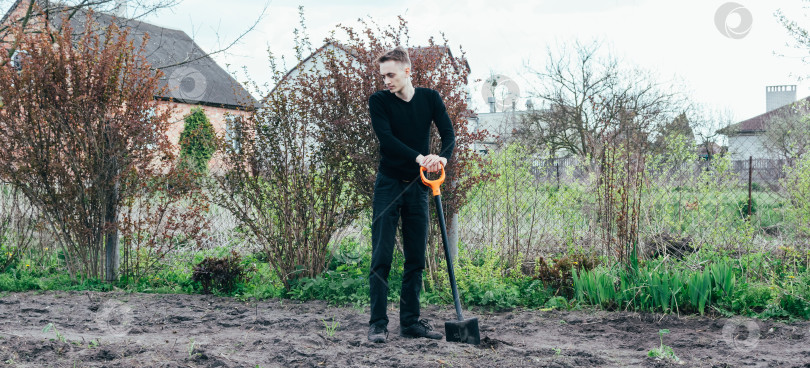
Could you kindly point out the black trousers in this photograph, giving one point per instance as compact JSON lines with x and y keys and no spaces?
{"x":394,"y":200}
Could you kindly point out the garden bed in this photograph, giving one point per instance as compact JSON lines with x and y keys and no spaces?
{"x":93,"y":329}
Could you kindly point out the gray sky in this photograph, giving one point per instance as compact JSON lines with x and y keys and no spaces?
{"x":672,"y":38}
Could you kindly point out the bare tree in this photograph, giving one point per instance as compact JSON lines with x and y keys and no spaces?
{"x":788,"y":132}
{"x":26,"y":16}
{"x":707,"y":123}
{"x":678,"y":128}
{"x":799,"y":34}
{"x":590,"y":97}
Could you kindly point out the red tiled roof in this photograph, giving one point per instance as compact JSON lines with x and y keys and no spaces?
{"x":760,"y":122}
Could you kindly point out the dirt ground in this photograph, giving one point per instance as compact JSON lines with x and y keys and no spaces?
{"x":154,"y":330}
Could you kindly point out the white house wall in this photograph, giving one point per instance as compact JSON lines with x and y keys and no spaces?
{"x":316,"y":63}
{"x":500,"y":124}
{"x":743,"y":146}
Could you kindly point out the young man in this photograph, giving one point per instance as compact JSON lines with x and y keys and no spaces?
{"x":401,"y":117}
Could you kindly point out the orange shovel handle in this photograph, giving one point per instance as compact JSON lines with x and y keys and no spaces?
{"x":433,"y":184}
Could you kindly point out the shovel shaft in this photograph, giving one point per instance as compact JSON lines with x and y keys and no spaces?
{"x":446,"y":243}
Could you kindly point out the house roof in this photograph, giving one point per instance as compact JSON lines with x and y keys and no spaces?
{"x":190,"y":75}
{"x":412,"y":52}
{"x":308,"y":58}
{"x":8,"y":13}
{"x":760,"y":123}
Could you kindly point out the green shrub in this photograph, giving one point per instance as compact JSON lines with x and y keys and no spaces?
{"x":724,"y":280}
{"x":349,"y":251}
{"x":795,"y":305}
{"x":346,"y":281}
{"x":14,"y":281}
{"x":341,"y":287}
{"x":742,"y":207}
{"x":197,"y":141}
{"x":797,"y":187}
{"x":533,"y":294}
{"x":557,"y":302}
{"x":484,"y":281}
{"x":597,"y":287}
{"x":755,"y":297}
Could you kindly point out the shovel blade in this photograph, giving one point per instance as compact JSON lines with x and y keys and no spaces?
{"x":465,"y":331}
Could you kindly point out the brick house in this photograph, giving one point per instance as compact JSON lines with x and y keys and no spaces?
{"x":191,"y":77}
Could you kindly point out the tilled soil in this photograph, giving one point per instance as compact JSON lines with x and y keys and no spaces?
{"x":91,"y":329}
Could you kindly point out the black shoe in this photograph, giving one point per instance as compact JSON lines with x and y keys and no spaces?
{"x":420,"y":329}
{"x":377,"y":334}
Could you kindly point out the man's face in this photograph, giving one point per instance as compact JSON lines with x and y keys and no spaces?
{"x":395,"y":75}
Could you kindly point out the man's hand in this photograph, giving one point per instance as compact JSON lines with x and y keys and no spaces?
{"x":433,"y":163}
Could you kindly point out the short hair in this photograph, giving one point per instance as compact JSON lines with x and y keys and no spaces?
{"x":398,"y":53}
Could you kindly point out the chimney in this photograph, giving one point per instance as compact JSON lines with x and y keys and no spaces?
{"x":120,"y":9}
{"x":491,"y":101}
{"x":778,"y":96}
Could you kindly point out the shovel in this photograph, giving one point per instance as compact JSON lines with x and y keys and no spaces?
{"x":460,"y":330}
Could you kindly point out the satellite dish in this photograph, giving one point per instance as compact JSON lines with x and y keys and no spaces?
{"x":503,"y":98}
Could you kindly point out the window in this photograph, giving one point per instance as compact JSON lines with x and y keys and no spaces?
{"x":148,"y":116}
{"x":233,"y":132}
{"x":17,"y":59}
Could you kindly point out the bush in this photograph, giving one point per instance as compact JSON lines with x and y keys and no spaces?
{"x":557,"y":302}
{"x":557,"y":275}
{"x":344,"y":286}
{"x":742,"y":207}
{"x":795,"y":305}
{"x":483,"y":280}
{"x":222,"y":274}
{"x":755,"y":297}
{"x":197,"y":142}
{"x":797,"y":186}
{"x":70,"y":146}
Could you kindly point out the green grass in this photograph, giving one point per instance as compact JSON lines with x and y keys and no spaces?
{"x":174,"y":276}
{"x":771,"y":284}
{"x":723,"y":285}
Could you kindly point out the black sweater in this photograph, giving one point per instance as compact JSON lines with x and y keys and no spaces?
{"x":403,"y":129}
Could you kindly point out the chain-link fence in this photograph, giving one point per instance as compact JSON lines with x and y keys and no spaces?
{"x":750,"y":195}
